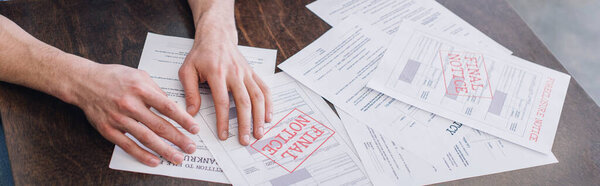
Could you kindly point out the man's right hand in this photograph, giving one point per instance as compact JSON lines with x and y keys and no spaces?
{"x":117,"y":99}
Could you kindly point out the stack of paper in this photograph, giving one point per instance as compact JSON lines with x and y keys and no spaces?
{"x":422,"y":96}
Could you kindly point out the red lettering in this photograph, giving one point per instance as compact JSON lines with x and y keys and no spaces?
{"x":533,"y":137}
{"x":300,"y":119}
{"x":270,"y":148}
{"x":460,"y":86}
{"x":288,"y":153}
{"x":303,"y":142}
{"x":289,"y":137}
{"x":297,"y":127}
{"x":454,"y":57}
{"x":317,"y":132}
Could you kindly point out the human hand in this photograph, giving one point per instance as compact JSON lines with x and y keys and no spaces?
{"x":215,"y":59}
{"x":115,"y":98}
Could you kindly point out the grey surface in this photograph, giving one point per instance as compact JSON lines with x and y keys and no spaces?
{"x":571,"y":30}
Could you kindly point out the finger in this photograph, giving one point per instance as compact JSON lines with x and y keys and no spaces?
{"x":267,"y":93}
{"x":258,"y":107}
{"x":164,"y":129}
{"x":221,"y":100}
{"x":189,"y":80}
{"x":152,"y":141}
{"x":243,"y":107}
{"x":170,"y":109}
{"x":155,"y":87}
{"x":119,"y":139}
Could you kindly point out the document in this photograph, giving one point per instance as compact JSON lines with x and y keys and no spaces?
{"x":502,"y":95}
{"x":299,"y":147}
{"x":387,"y":16}
{"x":476,"y":154}
{"x":338,"y":65}
{"x":161,"y":58}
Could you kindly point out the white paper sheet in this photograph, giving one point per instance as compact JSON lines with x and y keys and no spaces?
{"x":476,"y":154}
{"x":505,"y":96}
{"x":338,"y":65}
{"x":161,"y":58}
{"x":296,"y":161}
{"x":387,"y":15}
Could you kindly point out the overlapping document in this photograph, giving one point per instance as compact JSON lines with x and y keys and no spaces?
{"x":503,"y":95}
{"x":424,"y":82}
{"x":161,"y":58}
{"x":422,"y":97}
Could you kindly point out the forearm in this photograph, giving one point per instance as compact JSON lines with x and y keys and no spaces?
{"x":115,"y":98}
{"x":214,"y":16}
{"x":26,"y":61}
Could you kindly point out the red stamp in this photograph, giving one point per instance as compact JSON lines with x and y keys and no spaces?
{"x":291,"y":141}
{"x":465,"y":74}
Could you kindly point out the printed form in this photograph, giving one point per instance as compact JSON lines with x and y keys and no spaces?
{"x":502,"y":95}
{"x":161,"y":58}
{"x":387,"y":16}
{"x":475,"y":154}
{"x":299,"y":147}
{"x":338,"y":66}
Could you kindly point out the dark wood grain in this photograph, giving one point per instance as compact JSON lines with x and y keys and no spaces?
{"x":51,"y":142}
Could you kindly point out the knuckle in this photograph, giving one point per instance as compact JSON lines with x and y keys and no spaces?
{"x":116,"y":118}
{"x":103,"y":130}
{"x":190,"y":97}
{"x":141,"y":74}
{"x":139,"y":88}
{"x":257,"y":96}
{"x":162,"y":133}
{"x":178,"y":138}
{"x":243,"y":102}
{"x":217,"y":70}
{"x":161,"y":129}
{"x":166,"y":153}
{"x":184,"y":70}
{"x":169,"y":107}
{"x":221,"y":101}
{"x":146,"y":137}
{"x":245,"y":126}
{"x":126,"y":104}
{"x":127,"y":145}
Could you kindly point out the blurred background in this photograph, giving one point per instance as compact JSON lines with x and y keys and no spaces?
{"x":571,"y":31}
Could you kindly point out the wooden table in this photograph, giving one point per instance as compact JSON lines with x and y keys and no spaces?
{"x":51,"y":142}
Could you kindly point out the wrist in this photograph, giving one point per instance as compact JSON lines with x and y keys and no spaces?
{"x":201,"y":8}
{"x":213,"y":29}
{"x":214,"y":18}
{"x":77,"y":75}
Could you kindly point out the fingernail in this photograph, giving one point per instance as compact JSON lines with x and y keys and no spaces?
{"x":190,"y":148}
{"x":246,"y":139}
{"x":154,"y":162}
{"x":224,"y":135}
{"x":195,"y":129}
{"x":270,"y":116}
{"x":178,"y":158}
{"x":260,"y":132}
{"x":190,"y":109}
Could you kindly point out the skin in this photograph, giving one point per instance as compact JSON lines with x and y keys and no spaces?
{"x":117,"y":99}
{"x":215,"y":59}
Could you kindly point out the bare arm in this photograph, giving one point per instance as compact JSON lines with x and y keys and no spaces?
{"x":216,"y":59}
{"x":114,"y":97}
